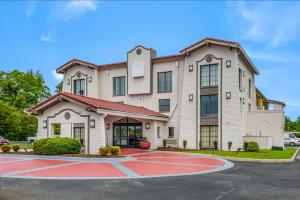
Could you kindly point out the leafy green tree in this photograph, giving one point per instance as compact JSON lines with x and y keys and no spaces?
{"x":15,"y":124}
{"x":22,"y":89}
{"x":289,"y":124}
{"x":58,"y":87}
{"x":297,"y":124}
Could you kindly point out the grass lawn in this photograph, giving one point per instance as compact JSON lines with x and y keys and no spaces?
{"x":262,"y":154}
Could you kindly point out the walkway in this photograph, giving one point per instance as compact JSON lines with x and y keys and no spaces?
{"x":136,"y":164}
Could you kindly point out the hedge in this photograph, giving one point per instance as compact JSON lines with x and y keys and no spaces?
{"x":56,"y":146}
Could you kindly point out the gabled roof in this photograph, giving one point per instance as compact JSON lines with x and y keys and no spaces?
{"x":72,"y":62}
{"x":100,"y":104}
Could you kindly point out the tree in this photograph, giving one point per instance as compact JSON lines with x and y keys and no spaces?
{"x":297,"y":124}
{"x":16,"y":124}
{"x":22,"y":89}
{"x":289,"y":124}
{"x":58,"y":87}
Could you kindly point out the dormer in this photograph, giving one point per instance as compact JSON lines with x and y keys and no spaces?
{"x":139,"y":70}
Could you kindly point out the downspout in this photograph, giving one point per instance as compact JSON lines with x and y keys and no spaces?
{"x":177,"y":65}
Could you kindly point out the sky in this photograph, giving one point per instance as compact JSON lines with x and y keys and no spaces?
{"x":42,"y":35}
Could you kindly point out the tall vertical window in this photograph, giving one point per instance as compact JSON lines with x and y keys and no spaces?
{"x":240,"y":79}
{"x":171,"y":132}
{"x":158,"y":132}
{"x":249,"y":88}
{"x":209,"y":75}
{"x":164,"y":105}
{"x":208,"y":135}
{"x":119,"y":86}
{"x":241,"y":104}
{"x":209,"y":105}
{"x":79,"y":87}
{"x":164,"y":82}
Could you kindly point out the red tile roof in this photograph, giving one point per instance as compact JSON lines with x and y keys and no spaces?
{"x":211,"y":39}
{"x":102,"y":104}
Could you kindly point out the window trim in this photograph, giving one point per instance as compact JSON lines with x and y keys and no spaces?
{"x":209,"y":66}
{"x":165,"y":82}
{"x":171,"y":128}
{"x":163,"y":110}
{"x":210,"y":115}
{"x":120,"y":89}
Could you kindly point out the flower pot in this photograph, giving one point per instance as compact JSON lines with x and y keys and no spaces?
{"x":145,"y":145}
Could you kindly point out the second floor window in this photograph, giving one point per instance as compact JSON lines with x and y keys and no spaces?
{"x":119,"y":86}
{"x":209,"y":75}
{"x":164,"y":105}
{"x":164,"y":82}
{"x":209,"y":106}
{"x":79,"y":87}
{"x":240,"y":79}
{"x":249,"y":88}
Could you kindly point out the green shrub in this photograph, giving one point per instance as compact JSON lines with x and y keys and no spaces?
{"x":245,"y":146}
{"x":115,"y":150}
{"x":104,"y":151}
{"x":165,"y":143}
{"x":252,"y":147}
{"x":16,"y":147}
{"x":56,"y":146}
{"x":184,"y":144}
{"x":216,"y":145}
{"x":5,"y":148}
{"x":229,"y":145}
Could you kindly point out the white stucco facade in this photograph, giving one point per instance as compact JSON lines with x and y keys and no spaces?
{"x":238,"y":117}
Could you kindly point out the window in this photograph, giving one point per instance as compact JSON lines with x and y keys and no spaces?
{"x":164,"y":82}
{"x":164,"y":105}
{"x":209,"y":75}
{"x":171,"y":132}
{"x":158,"y":132}
{"x":240,"y":79}
{"x":241,"y":104}
{"x":249,"y":107}
{"x":79,"y":87}
{"x":249,"y":88}
{"x":119,"y":86}
{"x":209,"y":105}
{"x":208,"y":135}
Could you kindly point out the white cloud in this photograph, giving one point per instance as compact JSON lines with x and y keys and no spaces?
{"x":58,"y":77}
{"x":45,"y":37}
{"x":80,"y":6}
{"x":272,"y":23}
{"x":31,"y":7}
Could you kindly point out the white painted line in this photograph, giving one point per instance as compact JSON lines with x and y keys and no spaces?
{"x":125,"y":170}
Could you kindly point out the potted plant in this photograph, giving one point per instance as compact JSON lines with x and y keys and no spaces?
{"x":144,"y":144}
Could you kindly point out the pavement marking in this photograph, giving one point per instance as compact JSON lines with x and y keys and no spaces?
{"x":37,"y":169}
{"x":125,"y":170}
{"x":13,"y":161}
{"x":173,"y":163}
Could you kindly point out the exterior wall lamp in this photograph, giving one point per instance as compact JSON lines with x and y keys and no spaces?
{"x":68,"y":82}
{"x":147,"y":125}
{"x":107,"y":126}
{"x":228,"y":95}
{"x":92,"y":123}
{"x":191,"y":97}
{"x":191,"y":67}
{"x":45,"y":122}
{"x":90,"y":79}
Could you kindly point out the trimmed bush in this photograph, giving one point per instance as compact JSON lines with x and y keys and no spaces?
{"x":184,"y":144}
{"x":104,"y":151}
{"x":245,"y":146}
{"x":252,"y":147}
{"x":229,"y":145}
{"x":56,"y":146}
{"x":5,"y":148}
{"x":115,"y":150}
{"x":15,"y":147}
{"x":165,"y":143}
{"x":216,"y":145}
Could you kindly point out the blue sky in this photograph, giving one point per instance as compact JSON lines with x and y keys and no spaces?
{"x":44,"y":35}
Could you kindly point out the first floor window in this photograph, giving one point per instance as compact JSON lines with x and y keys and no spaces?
{"x":164,"y":105}
{"x":209,"y":105}
{"x":208,"y":136}
{"x":171,"y":132}
{"x":158,"y":132}
{"x":119,"y":86}
{"x":79,"y":86}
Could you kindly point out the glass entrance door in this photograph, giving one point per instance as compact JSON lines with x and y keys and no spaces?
{"x":127,"y":133}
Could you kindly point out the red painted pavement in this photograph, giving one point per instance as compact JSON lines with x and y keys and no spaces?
{"x":29,"y":164}
{"x":126,"y":152}
{"x":187,"y":160}
{"x":87,"y":169}
{"x":153,"y":169}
